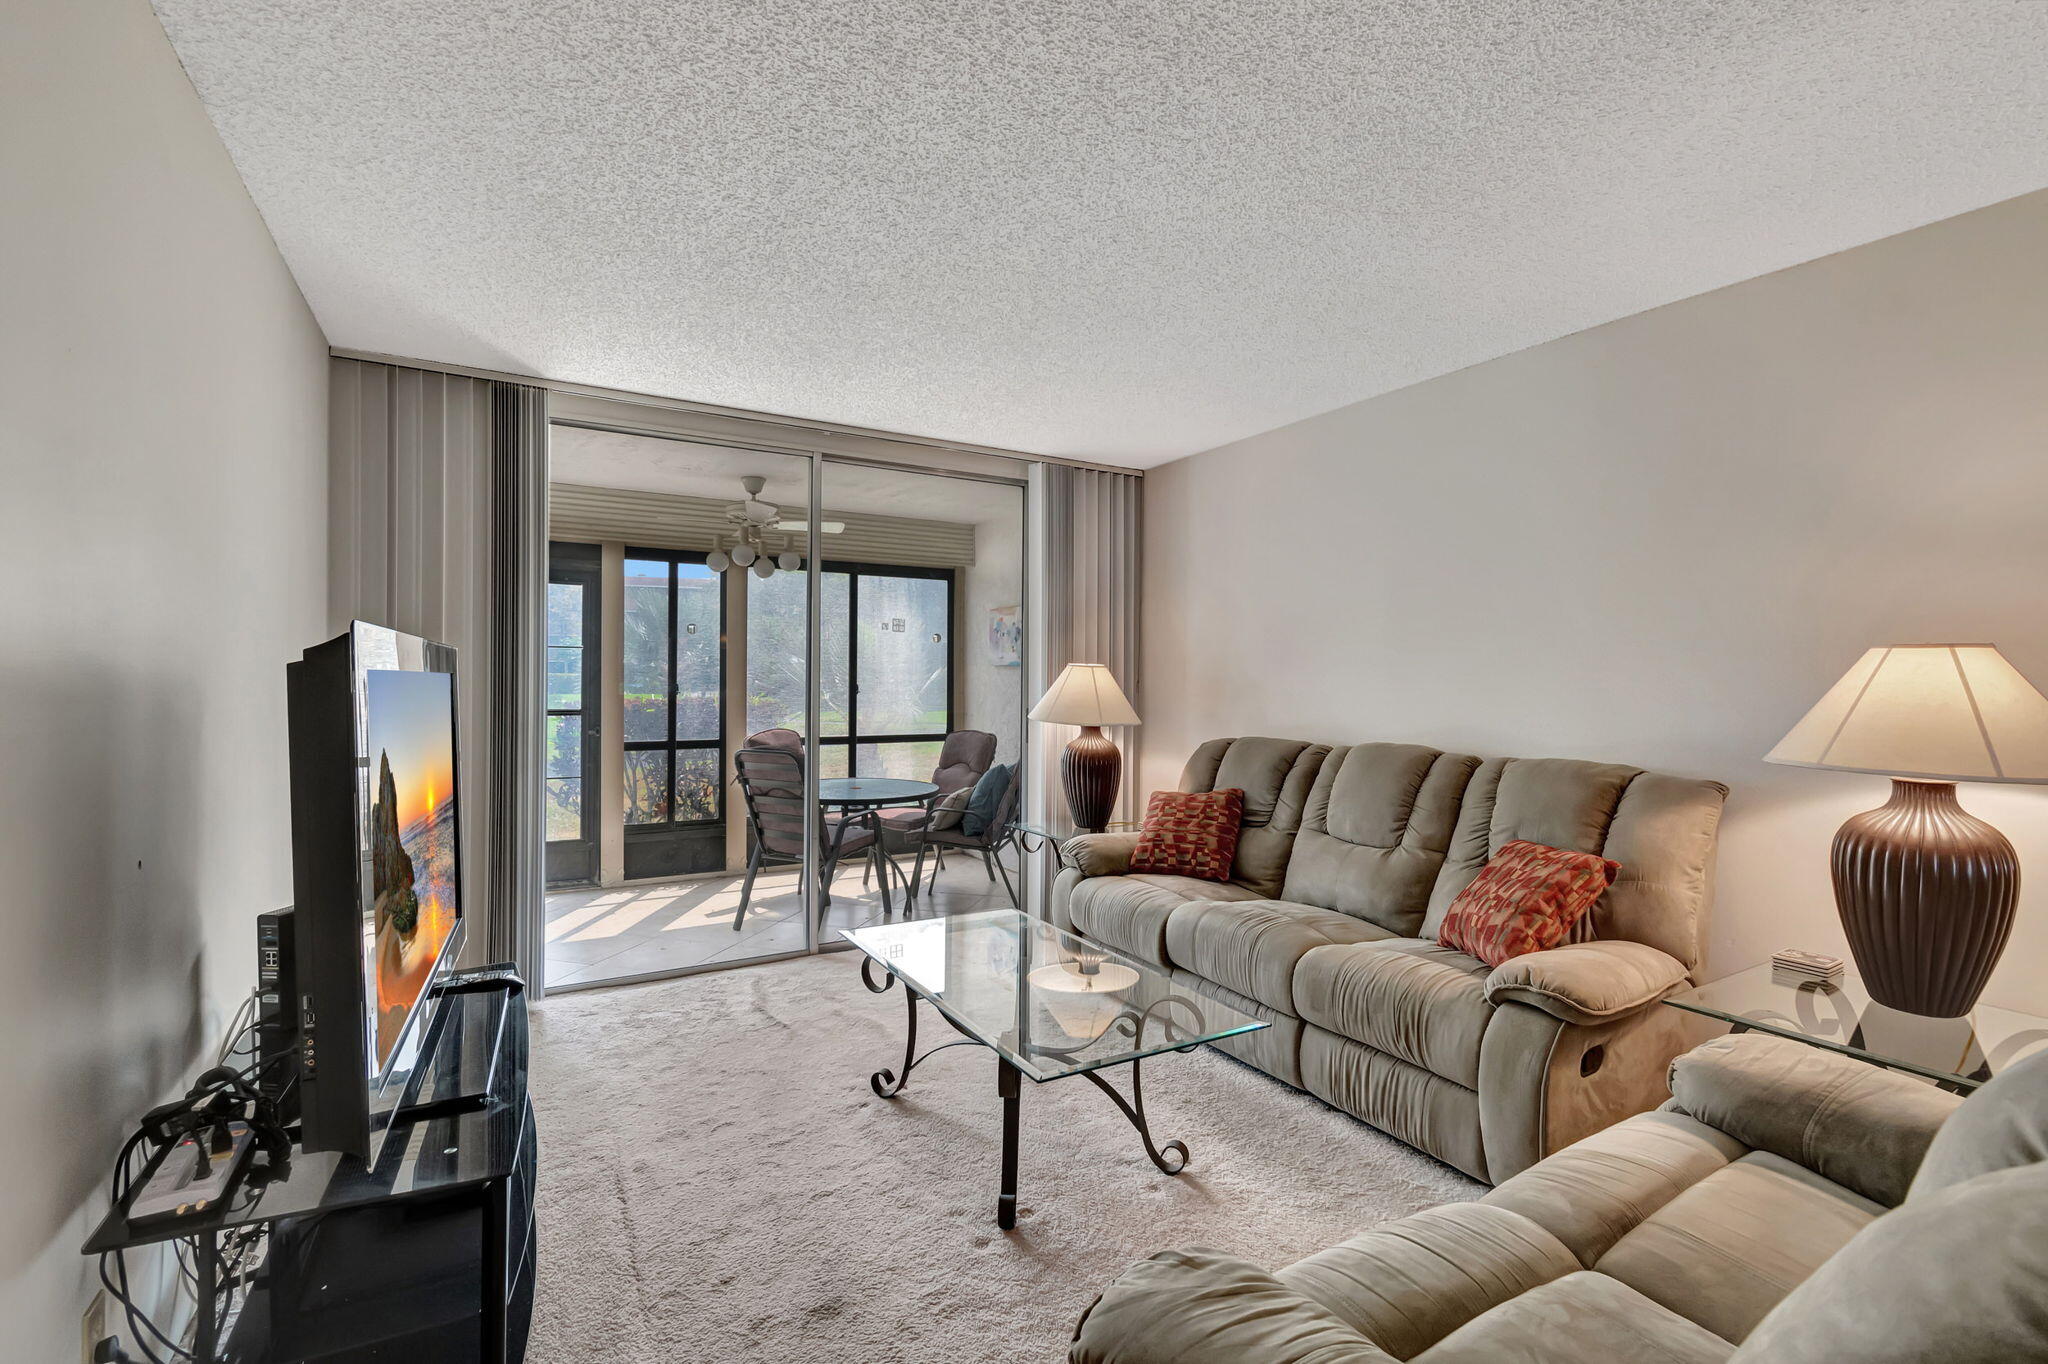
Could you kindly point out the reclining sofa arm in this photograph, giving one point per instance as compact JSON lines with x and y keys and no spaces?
{"x":1861,"y":1126}
{"x":1587,"y":983}
{"x":1099,"y":854}
{"x":1204,"y":1307}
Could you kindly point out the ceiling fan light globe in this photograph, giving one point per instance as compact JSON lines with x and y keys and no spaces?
{"x":743,"y":555}
{"x":764,"y":568}
{"x":789,"y":561}
{"x":718,"y":561}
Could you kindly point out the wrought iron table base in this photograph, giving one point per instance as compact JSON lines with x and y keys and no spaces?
{"x":1170,"y":1158}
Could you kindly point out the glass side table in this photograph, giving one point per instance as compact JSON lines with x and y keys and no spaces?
{"x":1958,"y":1054}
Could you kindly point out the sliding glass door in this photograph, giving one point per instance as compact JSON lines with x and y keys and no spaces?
{"x":672,"y":694}
{"x":721,"y":702}
{"x":887,"y":666}
{"x":689,"y":856}
{"x":571,"y":729}
{"x":923,"y":571}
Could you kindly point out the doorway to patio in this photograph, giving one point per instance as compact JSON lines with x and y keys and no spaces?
{"x":685,"y":629}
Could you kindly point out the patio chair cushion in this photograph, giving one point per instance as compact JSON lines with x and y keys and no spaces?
{"x":950,"y":809}
{"x":857,"y":837}
{"x":963,"y":758}
{"x":986,"y":799}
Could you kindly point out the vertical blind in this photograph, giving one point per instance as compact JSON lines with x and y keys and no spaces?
{"x":437,"y":527}
{"x":1086,"y":570}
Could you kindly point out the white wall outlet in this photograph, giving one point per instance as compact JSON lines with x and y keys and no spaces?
{"x":95,"y":1328}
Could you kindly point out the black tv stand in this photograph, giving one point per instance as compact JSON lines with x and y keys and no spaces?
{"x":428,"y":1255}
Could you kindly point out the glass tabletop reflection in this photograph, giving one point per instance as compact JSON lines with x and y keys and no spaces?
{"x":1958,"y":1053}
{"x":1050,"y":1003}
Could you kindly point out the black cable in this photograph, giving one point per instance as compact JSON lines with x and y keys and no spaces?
{"x":138,"y":1319}
{"x":140,"y":1327}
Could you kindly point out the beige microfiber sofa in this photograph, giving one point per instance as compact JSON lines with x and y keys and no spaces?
{"x":1787,"y":1206}
{"x":1327,"y":929}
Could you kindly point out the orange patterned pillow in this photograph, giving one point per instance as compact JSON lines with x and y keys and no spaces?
{"x":1190,"y":833}
{"x":1525,"y":899}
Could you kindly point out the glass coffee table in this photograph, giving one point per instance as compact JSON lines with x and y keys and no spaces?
{"x":1958,"y":1054}
{"x":1048,"y":1004}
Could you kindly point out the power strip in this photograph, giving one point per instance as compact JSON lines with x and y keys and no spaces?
{"x":190,"y":1177}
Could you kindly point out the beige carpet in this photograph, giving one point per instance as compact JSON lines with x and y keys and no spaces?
{"x":717,"y":1182}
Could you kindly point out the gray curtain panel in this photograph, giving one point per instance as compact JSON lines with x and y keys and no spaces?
{"x":1086,"y":566}
{"x":438,"y":527}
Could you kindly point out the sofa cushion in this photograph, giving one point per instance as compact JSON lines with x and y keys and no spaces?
{"x":1526,"y":899}
{"x":1961,"y":1274}
{"x":1374,"y":832}
{"x":1724,"y":1252}
{"x":1406,"y":1285}
{"x":1599,"y":1189}
{"x":1129,"y":913}
{"x":1204,"y":1307}
{"x":1400,"y":1098}
{"x":1252,"y":946}
{"x":1660,"y":828}
{"x":1190,"y":833}
{"x":1276,"y":776}
{"x":1275,"y":1048}
{"x":1583,"y":1318}
{"x":1858,"y":1125}
{"x":1408,"y":997}
{"x":2004,"y":1124}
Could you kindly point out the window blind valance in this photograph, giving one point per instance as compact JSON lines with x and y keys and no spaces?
{"x":583,"y":514}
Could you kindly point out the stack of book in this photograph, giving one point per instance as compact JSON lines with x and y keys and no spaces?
{"x":1793,"y":967}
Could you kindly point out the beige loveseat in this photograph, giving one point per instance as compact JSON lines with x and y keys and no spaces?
{"x":1348,"y":858}
{"x":1787,"y":1206}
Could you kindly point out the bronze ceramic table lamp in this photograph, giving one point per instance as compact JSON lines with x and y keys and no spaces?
{"x":1926,"y":890}
{"x":1091,"y":769}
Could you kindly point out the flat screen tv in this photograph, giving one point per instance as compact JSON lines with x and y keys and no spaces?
{"x":376,"y":805}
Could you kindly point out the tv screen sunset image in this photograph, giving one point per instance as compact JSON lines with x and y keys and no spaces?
{"x":412,"y":843}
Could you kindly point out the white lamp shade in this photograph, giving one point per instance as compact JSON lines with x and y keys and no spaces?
{"x":1938,"y":712}
{"x":1085,"y":694}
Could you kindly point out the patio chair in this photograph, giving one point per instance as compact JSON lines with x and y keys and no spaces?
{"x":772,"y":780}
{"x":788,"y":740}
{"x":966,"y":754}
{"x":989,"y":843}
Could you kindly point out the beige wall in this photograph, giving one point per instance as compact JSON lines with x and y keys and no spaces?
{"x":1655,"y":542}
{"x":163,"y":532}
{"x":993,"y":696}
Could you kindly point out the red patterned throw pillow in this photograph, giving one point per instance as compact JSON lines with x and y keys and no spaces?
{"x":1526,"y":899}
{"x":1190,"y":833}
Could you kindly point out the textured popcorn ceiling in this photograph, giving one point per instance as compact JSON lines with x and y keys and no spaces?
{"x":1114,"y":230}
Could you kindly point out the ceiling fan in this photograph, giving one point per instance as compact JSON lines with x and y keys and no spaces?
{"x":753,"y":522}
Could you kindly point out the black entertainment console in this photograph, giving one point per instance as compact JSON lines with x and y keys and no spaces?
{"x":428,"y":1255}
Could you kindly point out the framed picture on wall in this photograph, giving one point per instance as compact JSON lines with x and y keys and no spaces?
{"x":1006,"y":636}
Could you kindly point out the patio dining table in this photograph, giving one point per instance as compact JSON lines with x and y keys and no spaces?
{"x":858,"y":798}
